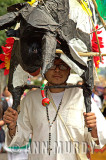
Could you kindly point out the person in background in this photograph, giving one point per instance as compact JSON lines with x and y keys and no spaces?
{"x":96,"y":98}
{"x":7,"y":96}
{"x":3,"y":108}
{"x":103,"y":96}
{"x":80,"y":82}
{"x":103,"y":99}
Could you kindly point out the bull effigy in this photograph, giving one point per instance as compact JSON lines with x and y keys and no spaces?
{"x":44,"y":28}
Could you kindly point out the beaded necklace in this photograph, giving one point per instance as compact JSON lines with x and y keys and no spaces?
{"x":46,"y":102}
{"x":50,"y":124}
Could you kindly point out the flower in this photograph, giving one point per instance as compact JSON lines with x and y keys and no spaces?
{"x":95,"y":47}
{"x":32,"y":1}
{"x":6,"y":56}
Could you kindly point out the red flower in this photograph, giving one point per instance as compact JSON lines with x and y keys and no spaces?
{"x":2,"y":57}
{"x":95,"y":47}
{"x":6,"y":50}
{"x":9,"y":41}
{"x":6,"y":56}
{"x":2,"y":65}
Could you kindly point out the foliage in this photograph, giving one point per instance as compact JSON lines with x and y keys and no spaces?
{"x":5,"y":4}
{"x":2,"y":39}
{"x":37,"y":82}
{"x":3,"y":10}
{"x":102,"y":8}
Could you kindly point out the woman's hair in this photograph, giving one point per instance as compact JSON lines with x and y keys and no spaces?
{"x":1,"y":110}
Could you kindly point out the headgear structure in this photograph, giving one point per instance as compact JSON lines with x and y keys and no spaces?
{"x":42,"y":27}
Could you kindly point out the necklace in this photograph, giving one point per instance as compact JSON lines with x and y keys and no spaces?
{"x":51,"y":123}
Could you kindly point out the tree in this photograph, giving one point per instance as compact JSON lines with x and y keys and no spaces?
{"x":3,"y":10}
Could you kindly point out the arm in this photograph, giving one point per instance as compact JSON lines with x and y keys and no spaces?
{"x":90,"y":122}
{"x":19,"y":135}
{"x":100,"y":123}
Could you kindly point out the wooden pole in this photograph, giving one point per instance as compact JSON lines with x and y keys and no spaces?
{"x":97,"y":29}
{"x":86,"y":54}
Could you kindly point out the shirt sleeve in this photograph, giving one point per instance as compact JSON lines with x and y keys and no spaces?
{"x":23,"y":130}
{"x":101,"y":124}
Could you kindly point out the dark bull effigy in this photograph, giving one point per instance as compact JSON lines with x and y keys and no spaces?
{"x":43,"y":29}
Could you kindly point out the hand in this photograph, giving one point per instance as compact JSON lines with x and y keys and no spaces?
{"x":1,"y":123}
{"x":90,"y":120}
{"x":10,"y":117}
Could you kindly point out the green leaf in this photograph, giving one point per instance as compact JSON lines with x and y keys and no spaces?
{"x":102,"y":8}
